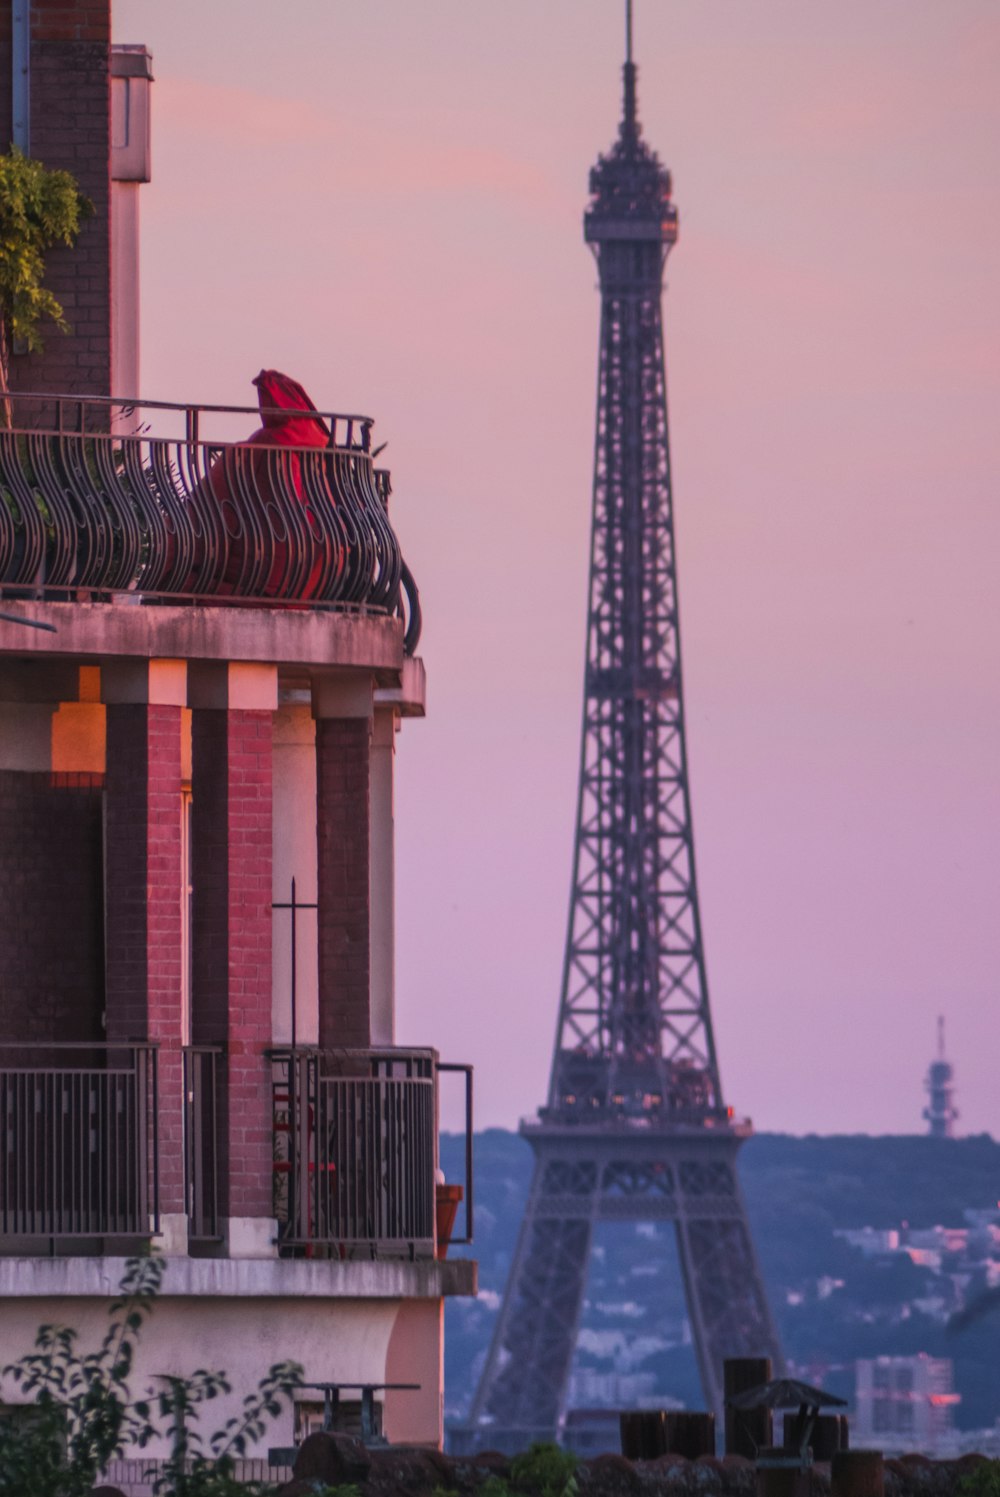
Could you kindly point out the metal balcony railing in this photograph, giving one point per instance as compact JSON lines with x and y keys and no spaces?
{"x":91,"y":502}
{"x":356,"y":1150}
{"x":78,"y":1142}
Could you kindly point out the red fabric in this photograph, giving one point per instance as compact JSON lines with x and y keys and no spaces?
{"x":276,"y":393}
{"x":276,"y":390}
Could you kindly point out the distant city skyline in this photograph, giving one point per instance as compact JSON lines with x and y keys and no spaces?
{"x":386,"y":202}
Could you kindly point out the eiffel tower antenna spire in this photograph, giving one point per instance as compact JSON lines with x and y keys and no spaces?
{"x":630,"y":125}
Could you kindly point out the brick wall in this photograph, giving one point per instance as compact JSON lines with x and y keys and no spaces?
{"x":343,"y":781}
{"x":231,"y":938}
{"x":70,"y":128}
{"x":51,"y":928}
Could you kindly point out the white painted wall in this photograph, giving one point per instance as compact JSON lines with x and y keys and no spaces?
{"x":295,"y":856}
{"x":335,"y":1340}
{"x":382,"y":877}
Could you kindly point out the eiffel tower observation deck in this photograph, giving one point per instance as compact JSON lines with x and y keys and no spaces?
{"x":635,"y":1126}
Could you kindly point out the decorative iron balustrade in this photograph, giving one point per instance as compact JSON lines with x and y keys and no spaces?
{"x":355,"y":1151}
{"x":92,"y":501}
{"x":78,"y":1141}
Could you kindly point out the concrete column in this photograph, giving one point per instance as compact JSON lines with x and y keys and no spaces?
{"x":416,"y":1355}
{"x":295,"y":857}
{"x":383,"y":878}
{"x":144,"y":883}
{"x":343,"y":709}
{"x":131,"y":77}
{"x":231,"y":835}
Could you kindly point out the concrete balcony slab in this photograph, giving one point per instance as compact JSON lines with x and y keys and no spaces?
{"x":316,"y":638}
{"x":244,"y":1278}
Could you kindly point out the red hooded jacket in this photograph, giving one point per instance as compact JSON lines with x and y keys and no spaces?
{"x":276,"y":393}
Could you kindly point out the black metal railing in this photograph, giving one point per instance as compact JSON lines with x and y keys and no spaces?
{"x":458,"y":1068}
{"x":201,"y":1141}
{"x":355,"y":1150}
{"x":78,"y":1141}
{"x":91,"y":501}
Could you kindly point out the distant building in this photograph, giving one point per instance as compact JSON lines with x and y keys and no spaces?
{"x":872,"y":1241}
{"x":590,"y":1388}
{"x":940,"y":1112}
{"x":904,"y":1403}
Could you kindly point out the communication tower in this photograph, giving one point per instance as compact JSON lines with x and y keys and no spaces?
{"x":940,"y":1112}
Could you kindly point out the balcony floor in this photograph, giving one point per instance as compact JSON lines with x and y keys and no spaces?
{"x":277,"y":635}
{"x":245,"y":1278}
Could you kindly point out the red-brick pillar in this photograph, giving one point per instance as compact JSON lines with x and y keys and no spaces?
{"x":144,"y":892}
{"x":231,"y":834}
{"x":71,"y":129}
{"x":343,"y":793}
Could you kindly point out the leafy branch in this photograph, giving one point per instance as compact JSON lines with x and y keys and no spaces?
{"x":39,"y":208}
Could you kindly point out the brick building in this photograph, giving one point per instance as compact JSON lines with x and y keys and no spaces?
{"x":204,"y":663}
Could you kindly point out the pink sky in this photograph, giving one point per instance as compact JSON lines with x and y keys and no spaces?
{"x":385,"y":200}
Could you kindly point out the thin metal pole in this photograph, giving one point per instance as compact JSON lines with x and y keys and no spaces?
{"x":295,"y":945}
{"x":294,"y":906}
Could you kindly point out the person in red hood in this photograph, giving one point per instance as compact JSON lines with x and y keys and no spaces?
{"x":288,"y":419}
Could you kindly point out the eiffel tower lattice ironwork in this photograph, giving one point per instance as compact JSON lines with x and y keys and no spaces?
{"x":635,"y":1127}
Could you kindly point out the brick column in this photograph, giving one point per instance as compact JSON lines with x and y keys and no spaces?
{"x":231,"y":834}
{"x":343,"y":793}
{"x":71,"y":129}
{"x":144,"y":983}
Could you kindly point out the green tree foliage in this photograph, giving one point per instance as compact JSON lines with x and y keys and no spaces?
{"x":39,"y":208}
{"x":983,"y":1482}
{"x":543,"y":1470}
{"x":82,"y":1414}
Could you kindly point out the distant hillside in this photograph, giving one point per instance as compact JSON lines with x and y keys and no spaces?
{"x":832,"y":1304}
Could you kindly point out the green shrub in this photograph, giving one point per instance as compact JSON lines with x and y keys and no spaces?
{"x":544,"y":1471}
{"x":983,"y":1482}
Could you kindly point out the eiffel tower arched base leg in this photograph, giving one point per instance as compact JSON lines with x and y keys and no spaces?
{"x":689,"y":1179}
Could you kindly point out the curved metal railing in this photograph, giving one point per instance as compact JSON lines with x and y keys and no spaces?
{"x":88,"y":507}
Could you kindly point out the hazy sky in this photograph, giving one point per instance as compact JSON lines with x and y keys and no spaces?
{"x":384,"y":199}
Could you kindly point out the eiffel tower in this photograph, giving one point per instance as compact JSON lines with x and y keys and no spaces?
{"x":635,"y":1127}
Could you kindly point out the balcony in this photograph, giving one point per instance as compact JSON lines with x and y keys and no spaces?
{"x":354,"y":1157}
{"x":96,"y":507}
{"x":355,"y":1151}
